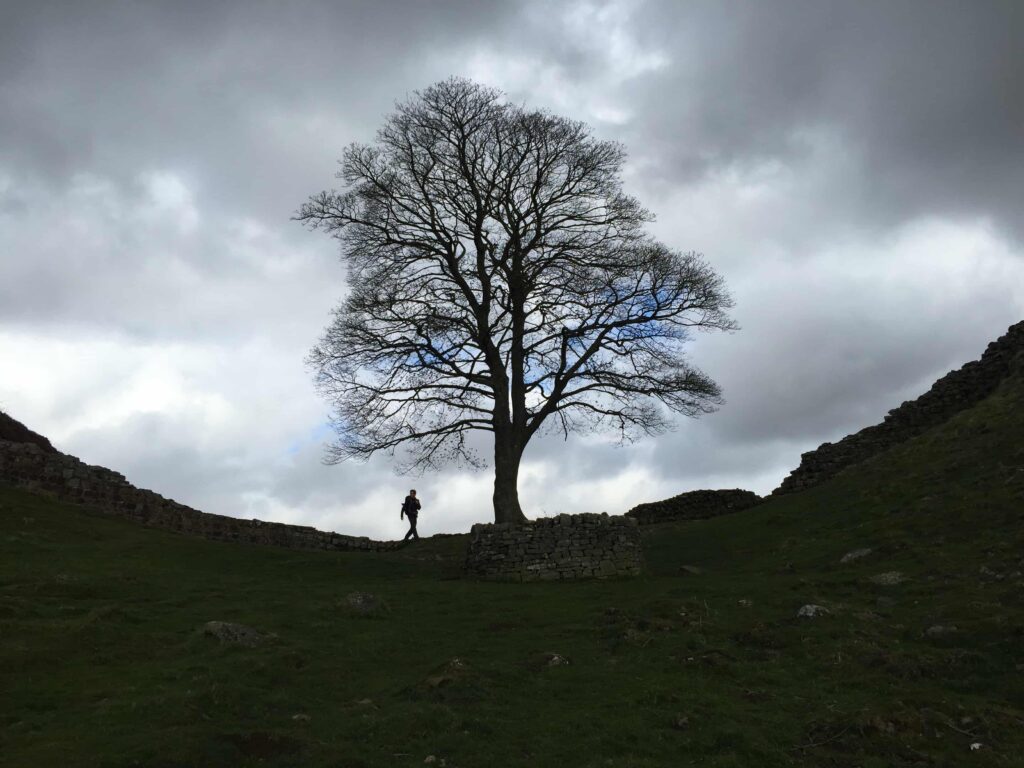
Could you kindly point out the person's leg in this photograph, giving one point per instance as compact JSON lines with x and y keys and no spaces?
{"x":412,"y":530}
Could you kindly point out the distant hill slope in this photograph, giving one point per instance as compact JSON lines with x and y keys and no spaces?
{"x":954,"y":392}
{"x":29,"y":461}
{"x":16,"y":432}
{"x":694,"y":505}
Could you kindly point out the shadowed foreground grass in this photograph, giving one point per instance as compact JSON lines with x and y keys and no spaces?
{"x":102,"y":662}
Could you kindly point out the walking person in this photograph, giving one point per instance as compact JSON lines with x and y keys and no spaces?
{"x":411,"y":509}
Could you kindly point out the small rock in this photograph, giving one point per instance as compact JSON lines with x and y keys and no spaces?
{"x":746,"y":603}
{"x":363,"y":602}
{"x":429,"y":760}
{"x":811,"y":611}
{"x":690,"y":570}
{"x":365,"y":702}
{"x":888,"y":579}
{"x":680,"y":722}
{"x":235,"y":634}
{"x":940,"y":631}
{"x":300,"y":718}
{"x":438,"y":681}
{"x":555,"y":660}
{"x":855,"y":554}
{"x":636,"y":637}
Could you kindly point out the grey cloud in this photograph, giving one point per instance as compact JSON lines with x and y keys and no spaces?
{"x":120,"y":263}
{"x":790,"y":141}
{"x":155,"y":452}
{"x":929,"y":97}
{"x":249,"y":104}
{"x":245,"y":97}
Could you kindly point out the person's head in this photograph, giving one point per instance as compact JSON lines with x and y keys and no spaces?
{"x":412,"y":492}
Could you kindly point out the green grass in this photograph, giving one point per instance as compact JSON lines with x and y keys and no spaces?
{"x":102,"y":662}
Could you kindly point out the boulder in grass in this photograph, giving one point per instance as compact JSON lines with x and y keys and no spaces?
{"x":811,"y":611}
{"x":940,"y":631}
{"x":888,"y":579}
{"x":364,"y":604}
{"x":236,"y":634}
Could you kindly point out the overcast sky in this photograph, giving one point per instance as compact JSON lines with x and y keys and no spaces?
{"x":855,"y":171}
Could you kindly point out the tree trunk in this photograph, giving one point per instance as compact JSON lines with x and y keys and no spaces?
{"x":506,"y":482}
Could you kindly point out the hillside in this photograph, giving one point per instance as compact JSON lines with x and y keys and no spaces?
{"x":14,"y":431}
{"x":957,"y":390}
{"x":701,"y":661}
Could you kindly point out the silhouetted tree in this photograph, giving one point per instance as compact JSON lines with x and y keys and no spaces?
{"x":500,"y":280}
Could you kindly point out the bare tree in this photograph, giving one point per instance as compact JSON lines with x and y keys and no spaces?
{"x":500,"y":280}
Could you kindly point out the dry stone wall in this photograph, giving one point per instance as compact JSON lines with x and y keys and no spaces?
{"x":29,"y":466}
{"x":951,"y":394}
{"x":694,"y":505}
{"x":555,"y":549}
{"x":16,"y":432}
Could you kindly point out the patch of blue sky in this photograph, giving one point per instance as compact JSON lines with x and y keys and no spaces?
{"x":317,"y":434}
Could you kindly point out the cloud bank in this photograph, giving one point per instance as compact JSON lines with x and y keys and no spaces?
{"x":853,"y":170}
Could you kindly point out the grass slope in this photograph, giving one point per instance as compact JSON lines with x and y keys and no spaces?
{"x":102,"y":664}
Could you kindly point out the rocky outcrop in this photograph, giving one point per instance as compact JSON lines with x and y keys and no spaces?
{"x":694,"y":505}
{"x":555,"y":549}
{"x":954,"y":392}
{"x":27,"y":465}
{"x":16,"y":432}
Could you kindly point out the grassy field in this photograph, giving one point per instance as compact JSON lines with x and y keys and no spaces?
{"x":102,"y":661}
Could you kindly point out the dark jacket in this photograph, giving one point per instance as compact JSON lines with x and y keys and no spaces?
{"x":411,"y":506}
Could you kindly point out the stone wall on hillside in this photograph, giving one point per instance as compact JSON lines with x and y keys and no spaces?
{"x":555,"y":549}
{"x":694,"y":505}
{"x":13,"y":430}
{"x":954,"y":392}
{"x":28,"y":466}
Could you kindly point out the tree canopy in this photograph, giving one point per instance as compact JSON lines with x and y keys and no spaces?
{"x":500,"y":279}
